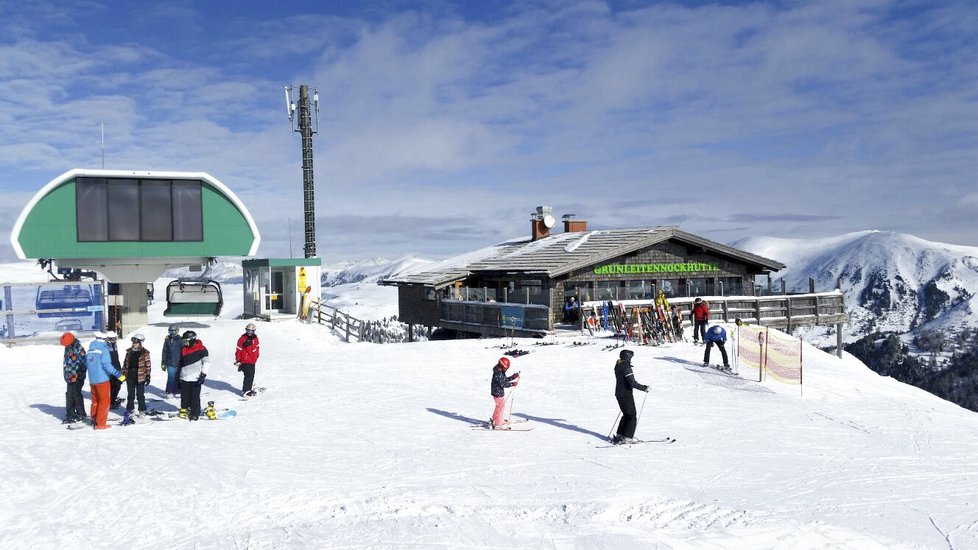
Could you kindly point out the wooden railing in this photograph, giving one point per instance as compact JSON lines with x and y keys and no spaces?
{"x":340,"y":323}
{"x":785,"y":311}
{"x":495,"y":318}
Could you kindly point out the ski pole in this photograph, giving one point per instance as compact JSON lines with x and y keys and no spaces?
{"x":642,"y":409}
{"x":512,"y":398}
{"x":613,"y":424}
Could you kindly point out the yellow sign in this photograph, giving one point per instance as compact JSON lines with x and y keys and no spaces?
{"x":302,"y":280}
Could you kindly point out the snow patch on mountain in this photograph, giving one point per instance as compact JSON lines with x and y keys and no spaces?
{"x":892,"y":281}
{"x":371,"y":270}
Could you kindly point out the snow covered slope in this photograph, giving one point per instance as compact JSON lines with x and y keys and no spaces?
{"x":369,"y":446}
{"x":371,"y":271}
{"x":892,"y":281}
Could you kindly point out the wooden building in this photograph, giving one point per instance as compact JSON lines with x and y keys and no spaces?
{"x":520,"y":286}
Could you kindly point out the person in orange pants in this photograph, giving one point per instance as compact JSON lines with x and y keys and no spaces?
{"x":100,"y":368}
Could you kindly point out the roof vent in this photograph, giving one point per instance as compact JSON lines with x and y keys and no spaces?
{"x":541,"y":221}
{"x":573,"y":226}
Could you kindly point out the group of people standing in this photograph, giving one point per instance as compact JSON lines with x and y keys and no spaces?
{"x":185,"y":361}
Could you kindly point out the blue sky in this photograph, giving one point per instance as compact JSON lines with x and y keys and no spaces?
{"x":443,"y":124}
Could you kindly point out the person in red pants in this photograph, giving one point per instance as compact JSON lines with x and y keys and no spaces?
{"x":100,"y":369}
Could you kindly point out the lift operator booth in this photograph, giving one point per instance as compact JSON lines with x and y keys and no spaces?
{"x":274,"y":288}
{"x":131,"y":226}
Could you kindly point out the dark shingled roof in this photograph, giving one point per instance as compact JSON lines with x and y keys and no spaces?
{"x":565,"y":252}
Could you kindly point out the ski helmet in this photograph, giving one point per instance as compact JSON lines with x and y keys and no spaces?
{"x":504,"y":362}
{"x":111,"y":335}
{"x":174,"y":329}
{"x":698,"y":300}
{"x":626,"y":355}
{"x":99,"y":335}
{"x":67,"y":339}
{"x":738,"y":322}
{"x":189,"y":337}
{"x":138,"y":337}
{"x":250,"y":326}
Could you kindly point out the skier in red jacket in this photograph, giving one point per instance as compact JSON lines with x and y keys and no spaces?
{"x":245,"y":358}
{"x":701,"y":316}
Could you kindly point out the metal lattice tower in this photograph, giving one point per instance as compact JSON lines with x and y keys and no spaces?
{"x":306,"y":130}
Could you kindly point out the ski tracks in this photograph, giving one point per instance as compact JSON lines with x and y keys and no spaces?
{"x":675,"y":514}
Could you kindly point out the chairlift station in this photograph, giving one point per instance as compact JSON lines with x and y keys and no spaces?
{"x":131,"y":226}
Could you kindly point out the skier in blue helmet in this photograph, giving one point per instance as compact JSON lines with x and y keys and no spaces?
{"x":716,"y":335}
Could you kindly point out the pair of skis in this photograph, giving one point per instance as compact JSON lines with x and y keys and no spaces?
{"x":518,"y":425}
{"x":664,"y":441}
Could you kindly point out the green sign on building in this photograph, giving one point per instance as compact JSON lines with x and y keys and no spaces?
{"x":630,"y":269}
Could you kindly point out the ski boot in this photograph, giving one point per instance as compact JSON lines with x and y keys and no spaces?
{"x":210,"y":412}
{"x":182,"y":413}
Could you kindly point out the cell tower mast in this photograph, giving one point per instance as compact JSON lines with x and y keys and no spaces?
{"x":303,"y":125}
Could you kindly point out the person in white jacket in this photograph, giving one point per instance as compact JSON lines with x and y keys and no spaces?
{"x":194,"y":361}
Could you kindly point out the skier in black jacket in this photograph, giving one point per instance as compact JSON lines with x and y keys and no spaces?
{"x":497,"y":388}
{"x":624,"y":384}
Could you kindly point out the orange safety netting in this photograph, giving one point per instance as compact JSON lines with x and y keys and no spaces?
{"x":783,"y":357}
{"x":750,"y":350}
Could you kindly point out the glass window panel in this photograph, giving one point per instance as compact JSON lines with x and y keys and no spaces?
{"x":91,"y":209}
{"x":638,"y":290}
{"x":698,"y":287}
{"x":606,"y":290}
{"x":730,"y":286}
{"x":156,"y":209}
{"x":187,"y":223}
{"x":123,"y":210}
{"x":670,"y":287}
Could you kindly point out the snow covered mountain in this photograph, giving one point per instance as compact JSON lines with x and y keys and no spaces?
{"x":370,"y":271}
{"x":224,"y":270}
{"x":892,"y":281}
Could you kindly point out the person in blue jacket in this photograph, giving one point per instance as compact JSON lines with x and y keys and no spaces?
{"x":716,"y":335}
{"x":172,"y":351}
{"x":100,"y":371}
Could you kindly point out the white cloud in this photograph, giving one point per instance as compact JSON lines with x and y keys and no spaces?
{"x":703,"y":114}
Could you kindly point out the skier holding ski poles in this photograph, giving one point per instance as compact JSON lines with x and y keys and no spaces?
{"x":716,"y":335}
{"x":624,"y":384}
{"x":497,"y":388}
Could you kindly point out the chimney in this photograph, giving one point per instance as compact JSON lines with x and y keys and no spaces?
{"x":573,"y":226}
{"x":540,"y":222}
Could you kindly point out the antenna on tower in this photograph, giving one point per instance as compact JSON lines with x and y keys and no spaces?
{"x":303,"y":125}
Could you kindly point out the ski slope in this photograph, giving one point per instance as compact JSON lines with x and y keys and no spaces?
{"x":369,"y":446}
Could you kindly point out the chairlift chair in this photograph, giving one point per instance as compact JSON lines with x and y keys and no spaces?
{"x":66,"y":325}
{"x":193,"y":297}
{"x":76,"y":300}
